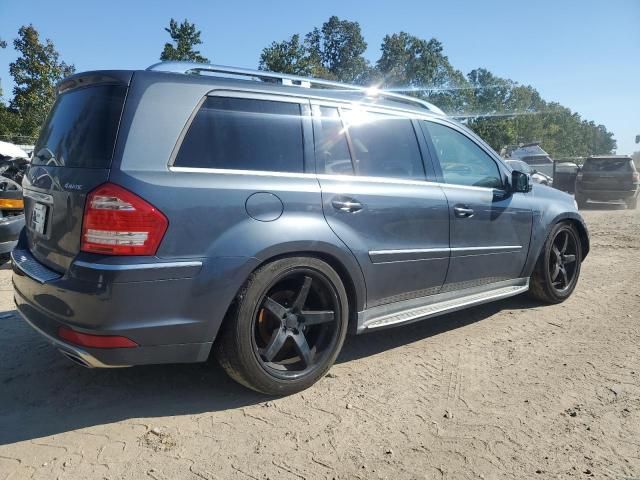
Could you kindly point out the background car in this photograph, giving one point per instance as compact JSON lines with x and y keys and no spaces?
{"x":606,"y":178}
{"x":536,"y":176}
{"x":13,"y":164}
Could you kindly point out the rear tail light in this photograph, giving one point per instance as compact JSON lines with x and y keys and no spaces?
{"x":118,"y":222}
{"x":94,"y":341}
{"x":636,"y":177}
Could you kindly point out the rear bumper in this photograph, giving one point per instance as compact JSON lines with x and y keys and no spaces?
{"x":607,"y":194}
{"x":10,"y":228}
{"x":172,"y":310}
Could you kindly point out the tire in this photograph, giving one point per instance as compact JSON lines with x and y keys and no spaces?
{"x":633,"y":203}
{"x":581,"y":201}
{"x":544,"y":285}
{"x":253,"y":365}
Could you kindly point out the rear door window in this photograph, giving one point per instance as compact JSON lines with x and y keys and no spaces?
{"x":383,"y":145}
{"x":244,"y":134}
{"x":82,"y":128}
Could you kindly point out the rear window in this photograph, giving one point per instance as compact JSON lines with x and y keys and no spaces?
{"x":537,"y":160}
{"x":244,"y":134}
{"x":607,"y":165}
{"x":81,"y":129}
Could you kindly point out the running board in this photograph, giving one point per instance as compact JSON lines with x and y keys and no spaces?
{"x":437,"y":305}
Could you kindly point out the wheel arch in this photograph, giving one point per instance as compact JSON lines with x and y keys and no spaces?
{"x":544,"y":228}
{"x":342,"y":262}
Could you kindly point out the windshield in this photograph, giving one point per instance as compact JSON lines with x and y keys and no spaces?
{"x":81,"y":129}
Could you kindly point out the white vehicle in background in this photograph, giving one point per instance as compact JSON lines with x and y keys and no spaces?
{"x":536,"y":176}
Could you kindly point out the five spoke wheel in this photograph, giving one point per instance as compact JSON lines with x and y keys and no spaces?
{"x":562,"y":260}
{"x":296,"y":323}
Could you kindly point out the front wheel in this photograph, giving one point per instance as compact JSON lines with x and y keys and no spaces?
{"x":288,"y":327}
{"x":557,"y":270}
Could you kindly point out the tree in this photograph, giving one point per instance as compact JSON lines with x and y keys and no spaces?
{"x":36,"y":72}
{"x":334,"y":51}
{"x":419,"y":67}
{"x":287,"y":56}
{"x":184,"y":37}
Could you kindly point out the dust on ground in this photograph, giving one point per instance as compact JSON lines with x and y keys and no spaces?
{"x":512,"y":389}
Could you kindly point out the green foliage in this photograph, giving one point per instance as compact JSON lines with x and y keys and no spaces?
{"x":287,"y":56}
{"x":500,"y":110}
{"x":420,"y":68}
{"x":184,"y":37}
{"x":36,"y":72}
{"x":333,"y":52}
{"x":505,"y":113}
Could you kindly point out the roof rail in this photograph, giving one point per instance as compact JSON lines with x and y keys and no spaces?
{"x":287,"y":80}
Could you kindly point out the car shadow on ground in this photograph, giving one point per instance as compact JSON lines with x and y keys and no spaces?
{"x":42,"y":393}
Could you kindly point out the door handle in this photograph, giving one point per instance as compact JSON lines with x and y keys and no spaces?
{"x":348,"y":205}
{"x":463,"y":211}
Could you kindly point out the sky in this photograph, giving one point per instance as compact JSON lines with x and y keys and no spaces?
{"x":584,"y":54}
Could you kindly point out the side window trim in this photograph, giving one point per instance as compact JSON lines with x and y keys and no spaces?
{"x":305,"y":117}
{"x":436,"y":161}
{"x":316,"y":119}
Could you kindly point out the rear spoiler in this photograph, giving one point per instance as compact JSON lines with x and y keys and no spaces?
{"x":99,"y":77}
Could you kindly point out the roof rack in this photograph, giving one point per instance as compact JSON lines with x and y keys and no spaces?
{"x":287,"y":80}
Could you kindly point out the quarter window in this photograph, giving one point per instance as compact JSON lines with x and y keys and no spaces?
{"x":244,"y":134}
{"x":462,"y":161}
{"x":384,"y":145}
{"x":331,"y":142}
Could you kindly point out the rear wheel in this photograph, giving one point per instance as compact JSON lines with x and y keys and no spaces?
{"x":288,"y":327}
{"x":633,"y":203}
{"x":558,"y":267}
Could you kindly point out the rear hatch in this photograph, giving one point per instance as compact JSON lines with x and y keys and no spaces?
{"x":614,"y":174}
{"x":72,"y":156}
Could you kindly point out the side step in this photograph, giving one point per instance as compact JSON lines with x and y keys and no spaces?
{"x":443,"y":306}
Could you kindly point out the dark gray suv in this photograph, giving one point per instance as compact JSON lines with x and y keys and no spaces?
{"x":189,"y":208}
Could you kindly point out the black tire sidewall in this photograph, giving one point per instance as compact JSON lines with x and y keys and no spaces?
{"x":253,"y":374}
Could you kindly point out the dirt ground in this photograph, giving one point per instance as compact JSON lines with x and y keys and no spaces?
{"x":508,"y":390}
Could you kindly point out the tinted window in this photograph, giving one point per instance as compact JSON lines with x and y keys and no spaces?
{"x":462,"y":161}
{"x":608,"y":165}
{"x":244,"y":134}
{"x":537,"y":160}
{"x":384,"y":146}
{"x":81,"y":129}
{"x":331,"y":142}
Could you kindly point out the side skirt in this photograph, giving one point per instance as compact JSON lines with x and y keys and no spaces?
{"x":408,"y":311}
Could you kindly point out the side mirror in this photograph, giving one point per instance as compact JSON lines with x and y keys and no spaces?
{"x":520,"y":182}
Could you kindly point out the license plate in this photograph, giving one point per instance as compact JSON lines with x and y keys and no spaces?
{"x":39,"y":217}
